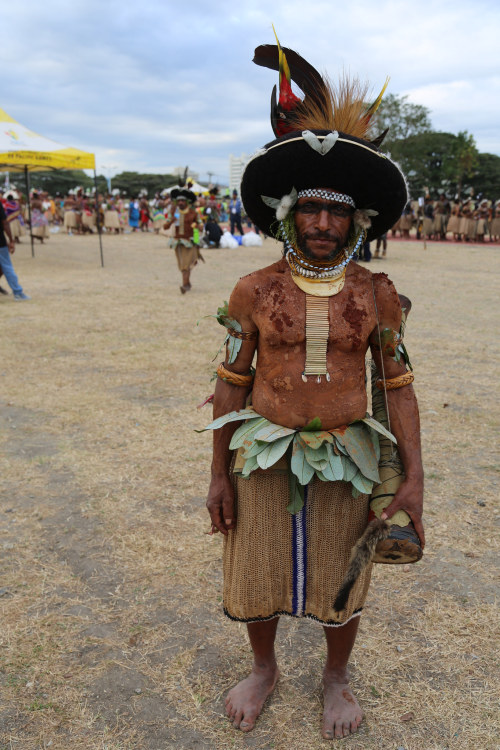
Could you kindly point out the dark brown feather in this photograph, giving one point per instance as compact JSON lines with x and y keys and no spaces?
{"x":302,"y":73}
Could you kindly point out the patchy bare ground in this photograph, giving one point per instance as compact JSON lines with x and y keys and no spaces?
{"x":112,"y":635}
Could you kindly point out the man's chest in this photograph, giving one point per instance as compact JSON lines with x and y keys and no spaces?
{"x":286,"y":317}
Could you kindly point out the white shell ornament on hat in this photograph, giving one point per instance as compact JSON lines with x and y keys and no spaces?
{"x":282,"y":205}
{"x":322,"y":146}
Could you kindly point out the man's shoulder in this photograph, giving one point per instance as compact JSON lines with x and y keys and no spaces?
{"x":382,"y":282}
{"x":358,"y":274}
{"x":388,"y":300}
{"x":263,"y":275}
{"x":253,"y":283}
{"x":378,"y":284}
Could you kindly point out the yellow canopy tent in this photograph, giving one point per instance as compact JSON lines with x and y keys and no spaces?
{"x":22,"y":150}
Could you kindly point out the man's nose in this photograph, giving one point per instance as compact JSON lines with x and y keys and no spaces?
{"x":323,"y":220}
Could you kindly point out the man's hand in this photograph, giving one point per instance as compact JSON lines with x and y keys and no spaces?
{"x":220,"y":503}
{"x":11,"y":246}
{"x":409,"y":497}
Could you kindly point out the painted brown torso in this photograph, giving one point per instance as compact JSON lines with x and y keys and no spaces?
{"x":279,"y":313}
{"x":184,"y":231}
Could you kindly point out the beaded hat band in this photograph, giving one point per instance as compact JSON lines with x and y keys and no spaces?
{"x":326,"y":195}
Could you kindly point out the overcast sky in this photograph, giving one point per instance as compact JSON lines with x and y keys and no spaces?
{"x":155,"y":84}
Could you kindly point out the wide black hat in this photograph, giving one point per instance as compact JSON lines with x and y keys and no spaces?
{"x":324,"y":141}
{"x":351,"y":166}
{"x":183,"y":193}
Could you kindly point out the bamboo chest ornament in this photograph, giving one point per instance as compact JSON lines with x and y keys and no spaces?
{"x":318,"y":293}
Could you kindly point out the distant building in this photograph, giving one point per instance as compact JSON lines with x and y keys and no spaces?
{"x":237,"y":165}
{"x":179,"y":172}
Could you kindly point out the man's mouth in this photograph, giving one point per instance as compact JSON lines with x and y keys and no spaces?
{"x":322,"y":241}
{"x":321,"y":238}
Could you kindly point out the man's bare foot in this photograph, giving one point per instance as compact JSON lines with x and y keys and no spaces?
{"x":342,"y":714}
{"x":244,"y":702}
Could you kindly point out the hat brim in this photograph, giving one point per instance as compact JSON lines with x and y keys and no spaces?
{"x":178,"y":194}
{"x":351,"y":166}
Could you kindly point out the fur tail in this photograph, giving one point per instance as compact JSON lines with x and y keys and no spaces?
{"x":361,"y":555}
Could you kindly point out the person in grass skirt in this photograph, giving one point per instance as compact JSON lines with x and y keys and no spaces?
{"x":187,"y":225}
{"x":294,"y":497}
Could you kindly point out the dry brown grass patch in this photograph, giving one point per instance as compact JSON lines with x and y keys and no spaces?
{"x":112,"y":635}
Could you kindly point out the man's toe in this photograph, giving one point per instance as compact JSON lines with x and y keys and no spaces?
{"x":346,"y":729}
{"x":237,"y":717}
{"x":355,"y":724}
{"x":328,"y":734}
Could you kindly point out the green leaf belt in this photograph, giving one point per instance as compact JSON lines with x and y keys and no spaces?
{"x":348,"y":454}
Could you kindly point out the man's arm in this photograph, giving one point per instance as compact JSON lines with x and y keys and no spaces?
{"x":228,"y":397}
{"x":403,"y":411}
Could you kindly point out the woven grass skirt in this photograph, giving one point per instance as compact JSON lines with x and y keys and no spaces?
{"x":278,"y":564}
{"x":187,"y":257}
{"x":70,"y":221}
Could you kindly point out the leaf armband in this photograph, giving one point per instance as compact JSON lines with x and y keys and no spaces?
{"x":391,"y":343}
{"x":235,"y":335}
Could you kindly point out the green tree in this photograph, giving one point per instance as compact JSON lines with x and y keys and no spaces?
{"x":440,"y":162}
{"x":486,"y":177}
{"x":132,"y":183}
{"x":61,"y":180}
{"x":466,"y":158}
{"x":403,"y":119}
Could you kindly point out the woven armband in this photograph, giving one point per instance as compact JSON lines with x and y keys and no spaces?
{"x":398,"y":382}
{"x":233,"y":377}
{"x":243,"y":335}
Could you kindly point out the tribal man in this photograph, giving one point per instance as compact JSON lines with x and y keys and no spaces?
{"x":187,"y":223}
{"x":294,"y":498}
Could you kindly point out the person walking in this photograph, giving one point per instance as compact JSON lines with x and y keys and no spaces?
{"x":235,"y":213}
{"x":7,"y":248}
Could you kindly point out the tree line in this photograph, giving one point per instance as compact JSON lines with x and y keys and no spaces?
{"x":438,"y":161}
{"x":128,"y":183}
{"x":432,"y":160}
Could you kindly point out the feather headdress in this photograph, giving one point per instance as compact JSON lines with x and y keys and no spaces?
{"x":322,"y":140}
{"x":326,"y":106}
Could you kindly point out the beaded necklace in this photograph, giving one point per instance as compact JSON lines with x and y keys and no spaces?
{"x":318,"y":269}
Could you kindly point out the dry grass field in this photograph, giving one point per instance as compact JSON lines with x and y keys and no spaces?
{"x":112,"y":634}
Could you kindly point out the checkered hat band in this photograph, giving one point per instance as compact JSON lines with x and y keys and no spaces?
{"x":327,"y":196}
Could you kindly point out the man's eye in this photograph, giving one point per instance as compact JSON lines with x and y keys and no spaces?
{"x":308,"y":208}
{"x":340,"y":211}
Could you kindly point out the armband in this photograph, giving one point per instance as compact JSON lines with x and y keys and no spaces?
{"x":398,"y":382}
{"x":233,"y":377}
{"x":243,"y":335}
{"x":391,"y":345}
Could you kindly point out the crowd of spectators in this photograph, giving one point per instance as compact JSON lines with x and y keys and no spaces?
{"x":79,"y":213}
{"x":467,"y":220}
